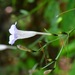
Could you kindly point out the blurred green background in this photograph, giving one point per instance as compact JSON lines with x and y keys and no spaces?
{"x":41,"y":16}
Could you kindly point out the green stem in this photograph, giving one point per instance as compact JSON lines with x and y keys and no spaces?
{"x":71,"y":31}
{"x":65,"y":12}
{"x":34,"y":43}
{"x":64,"y":43}
{"x":35,"y":9}
{"x":61,"y":49}
{"x":47,"y":44}
{"x":38,"y":7}
{"x":47,"y":65}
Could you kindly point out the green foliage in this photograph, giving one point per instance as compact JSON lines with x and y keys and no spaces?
{"x":72,"y":72}
{"x":68,"y":21}
{"x":51,"y":11}
{"x":39,"y":53}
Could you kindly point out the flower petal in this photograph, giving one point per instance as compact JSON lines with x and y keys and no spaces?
{"x":12,"y":39}
{"x":25,"y":34}
{"x":13,"y":28}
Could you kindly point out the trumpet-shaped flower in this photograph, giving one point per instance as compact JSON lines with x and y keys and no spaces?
{"x":20,"y":34}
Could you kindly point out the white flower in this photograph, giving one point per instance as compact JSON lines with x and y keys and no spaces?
{"x":3,"y":47}
{"x":19,"y":34}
